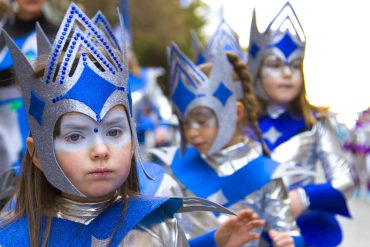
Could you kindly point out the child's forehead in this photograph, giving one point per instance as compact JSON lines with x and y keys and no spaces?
{"x":118,"y":110}
{"x":201,"y":111}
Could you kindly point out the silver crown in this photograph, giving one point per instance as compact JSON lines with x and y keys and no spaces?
{"x":224,"y":37}
{"x":77,"y":84}
{"x":191,"y":88}
{"x":283,"y":37}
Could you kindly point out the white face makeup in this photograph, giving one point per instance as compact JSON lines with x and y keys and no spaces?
{"x":95,"y":157}
{"x":281,"y":82}
{"x":78,"y":131}
{"x":200,"y":118}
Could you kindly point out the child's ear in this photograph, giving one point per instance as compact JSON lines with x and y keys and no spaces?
{"x":32,"y":152}
{"x":240,"y":111}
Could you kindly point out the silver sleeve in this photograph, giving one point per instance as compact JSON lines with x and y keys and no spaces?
{"x":332,"y":157}
{"x":277,"y":211}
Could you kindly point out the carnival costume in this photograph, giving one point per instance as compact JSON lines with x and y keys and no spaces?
{"x":236,"y":177}
{"x":300,"y":147}
{"x":91,"y":79}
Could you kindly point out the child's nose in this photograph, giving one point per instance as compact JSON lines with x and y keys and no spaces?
{"x":100,"y":151}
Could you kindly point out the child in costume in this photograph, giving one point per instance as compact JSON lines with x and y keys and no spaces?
{"x":222,"y":165}
{"x":296,"y":132}
{"x":358,"y":146}
{"x":79,"y":184}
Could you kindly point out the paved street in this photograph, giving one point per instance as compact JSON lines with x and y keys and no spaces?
{"x":357,"y":230}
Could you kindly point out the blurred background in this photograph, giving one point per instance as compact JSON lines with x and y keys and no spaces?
{"x":336,"y":64}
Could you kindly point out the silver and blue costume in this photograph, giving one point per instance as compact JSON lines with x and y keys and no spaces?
{"x":91,"y":79}
{"x":147,"y":222}
{"x":298,"y":146}
{"x":236,"y":177}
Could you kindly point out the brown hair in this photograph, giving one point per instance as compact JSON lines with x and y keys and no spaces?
{"x":300,"y":106}
{"x":35,"y":196}
{"x":240,"y":73}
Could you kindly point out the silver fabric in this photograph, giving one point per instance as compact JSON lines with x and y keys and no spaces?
{"x":271,"y":202}
{"x":80,"y":212}
{"x":154,"y":230}
{"x":217,"y":92}
{"x":90,"y":41}
{"x":262,"y":44}
{"x":166,"y":233}
{"x":306,"y":150}
{"x":228,"y":39}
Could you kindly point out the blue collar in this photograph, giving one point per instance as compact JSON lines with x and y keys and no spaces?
{"x":198,"y":177}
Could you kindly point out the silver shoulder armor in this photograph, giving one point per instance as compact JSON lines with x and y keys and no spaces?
{"x":319,"y":144}
{"x":155,"y":232}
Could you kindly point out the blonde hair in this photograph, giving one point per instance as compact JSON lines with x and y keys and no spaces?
{"x":35,"y":196}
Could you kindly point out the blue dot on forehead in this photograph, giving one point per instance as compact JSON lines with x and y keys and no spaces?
{"x":96,"y":130}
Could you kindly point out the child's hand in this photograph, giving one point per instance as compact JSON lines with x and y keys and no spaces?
{"x":237,"y":230}
{"x":281,"y":239}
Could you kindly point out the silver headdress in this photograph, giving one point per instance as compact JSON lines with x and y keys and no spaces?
{"x":191,"y":88}
{"x":225,"y":37}
{"x":283,"y":37}
{"x":91,"y":78}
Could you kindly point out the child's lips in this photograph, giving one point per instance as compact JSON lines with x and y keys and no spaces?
{"x":199,"y":144}
{"x":101,"y":172}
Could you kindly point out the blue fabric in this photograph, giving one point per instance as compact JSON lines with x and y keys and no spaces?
{"x":207,"y":239}
{"x":320,"y":229}
{"x":150,"y":187}
{"x":182,"y":96}
{"x":68,"y":233}
{"x":285,"y":124}
{"x":138,"y":82}
{"x":286,"y":45}
{"x":197,"y":176}
{"x":222,"y":93}
{"x":84,"y":90}
{"x":37,"y":105}
{"x":326,"y":197}
{"x":7,"y":62}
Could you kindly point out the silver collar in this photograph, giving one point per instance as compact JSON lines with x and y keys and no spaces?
{"x":231,"y":159}
{"x":275,"y":110}
{"x":81,"y":212}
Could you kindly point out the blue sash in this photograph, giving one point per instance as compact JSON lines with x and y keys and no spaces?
{"x":68,"y":233}
{"x":150,"y":187}
{"x":285,"y":124}
{"x":197,"y":176}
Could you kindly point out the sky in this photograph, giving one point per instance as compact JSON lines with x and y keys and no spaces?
{"x":337,"y":60}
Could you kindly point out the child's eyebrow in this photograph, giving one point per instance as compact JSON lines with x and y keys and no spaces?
{"x":74,"y":126}
{"x":115,"y":120}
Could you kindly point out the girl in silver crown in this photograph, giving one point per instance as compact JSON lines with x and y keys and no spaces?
{"x":213,"y":101}
{"x":297,"y":133}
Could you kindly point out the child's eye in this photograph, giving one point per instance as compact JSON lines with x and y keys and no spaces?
{"x":114,"y":133}
{"x":74,"y":138}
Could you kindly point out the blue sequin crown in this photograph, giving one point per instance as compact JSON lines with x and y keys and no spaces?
{"x":86,"y":73}
{"x":224,"y":36}
{"x":283,"y":37}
